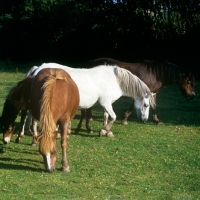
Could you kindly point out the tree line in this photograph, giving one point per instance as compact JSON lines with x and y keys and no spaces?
{"x":32,"y":29}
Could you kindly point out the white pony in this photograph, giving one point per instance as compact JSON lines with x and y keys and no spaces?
{"x":106,"y":84}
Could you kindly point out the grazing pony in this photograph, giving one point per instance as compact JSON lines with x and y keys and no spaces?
{"x":155,"y":75}
{"x":54,"y":99}
{"x":17,"y":99}
{"x":106,"y":84}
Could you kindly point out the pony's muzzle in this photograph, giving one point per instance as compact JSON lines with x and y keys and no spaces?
{"x":191,"y":96}
{"x":144,"y":120}
{"x":6,"y":140}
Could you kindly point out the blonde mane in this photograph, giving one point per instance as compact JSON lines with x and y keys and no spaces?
{"x":131,"y":85}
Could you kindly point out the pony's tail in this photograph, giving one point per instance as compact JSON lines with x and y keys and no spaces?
{"x":47,"y":124}
{"x":46,"y":118}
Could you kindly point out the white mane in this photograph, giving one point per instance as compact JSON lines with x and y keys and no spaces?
{"x":132,"y":86}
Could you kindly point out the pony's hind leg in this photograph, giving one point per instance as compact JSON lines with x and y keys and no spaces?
{"x":69,"y":130}
{"x":85,"y":113}
{"x":80,"y":122}
{"x":88,"y":119}
{"x":64,"y":134}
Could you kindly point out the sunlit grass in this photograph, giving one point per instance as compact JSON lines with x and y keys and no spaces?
{"x":142,"y":161}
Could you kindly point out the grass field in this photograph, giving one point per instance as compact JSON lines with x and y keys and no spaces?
{"x":142,"y":161}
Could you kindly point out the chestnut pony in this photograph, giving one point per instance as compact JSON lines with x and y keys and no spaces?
{"x":155,"y":74}
{"x":54,"y":100}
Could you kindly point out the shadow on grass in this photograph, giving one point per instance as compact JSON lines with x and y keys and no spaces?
{"x":7,"y":163}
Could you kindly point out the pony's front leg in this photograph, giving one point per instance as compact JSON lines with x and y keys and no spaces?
{"x":27,"y":124}
{"x":34,"y":126}
{"x":155,"y":117}
{"x":127,"y":113}
{"x":22,"y":125}
{"x":106,"y":115}
{"x":64,"y":135}
{"x":106,"y":128}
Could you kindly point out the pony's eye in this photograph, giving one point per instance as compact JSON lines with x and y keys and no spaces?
{"x":53,"y":152}
{"x":146,"y":105}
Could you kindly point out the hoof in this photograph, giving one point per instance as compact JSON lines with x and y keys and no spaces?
{"x":89,"y":130}
{"x":17,"y":140}
{"x":33,"y":144}
{"x":124,"y":122}
{"x":102,"y":132}
{"x":66,"y":169}
{"x":110,"y":134}
{"x":50,"y":170}
{"x":158,"y":122}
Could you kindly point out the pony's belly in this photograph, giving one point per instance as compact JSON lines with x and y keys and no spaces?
{"x":87,"y":102}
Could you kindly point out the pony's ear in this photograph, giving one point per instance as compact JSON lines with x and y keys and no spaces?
{"x":191,"y":75}
{"x":152,"y":94}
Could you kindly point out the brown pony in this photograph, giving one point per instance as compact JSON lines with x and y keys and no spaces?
{"x":156,"y":75}
{"x":54,"y":99}
{"x":17,"y":99}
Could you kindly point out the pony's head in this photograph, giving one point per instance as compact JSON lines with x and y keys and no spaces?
{"x":142,"y":105}
{"x":7,"y":120}
{"x":186,"y":84}
{"x":47,"y":148}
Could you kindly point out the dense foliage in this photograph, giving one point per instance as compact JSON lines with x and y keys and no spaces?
{"x":87,"y":29}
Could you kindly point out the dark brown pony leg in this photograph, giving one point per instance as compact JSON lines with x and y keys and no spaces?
{"x":127,"y":113}
{"x":155,"y":117}
{"x":22,"y":124}
{"x":88,"y":119}
{"x":80,"y":122}
{"x":85,"y":113}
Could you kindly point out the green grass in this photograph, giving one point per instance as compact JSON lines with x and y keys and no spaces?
{"x":142,"y":161}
